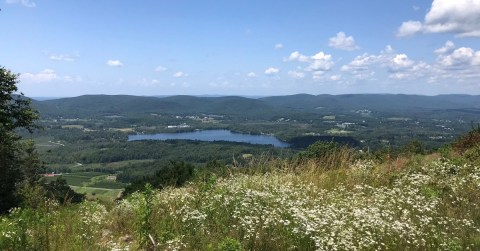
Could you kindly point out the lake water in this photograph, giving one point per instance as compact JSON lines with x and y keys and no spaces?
{"x":213,"y":135}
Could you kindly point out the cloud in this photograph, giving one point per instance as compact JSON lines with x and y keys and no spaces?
{"x":462,"y":56}
{"x":361,"y":63}
{"x":335,"y":77}
{"x":452,"y":65}
{"x":160,"y":68}
{"x":296,"y":56}
{"x":296,"y":74}
{"x":460,"y":17}
{"x":399,"y":66}
{"x":278,"y":46}
{"x":318,"y":75}
{"x":46,"y":75}
{"x":179,"y":74}
{"x":342,"y":42}
{"x":401,"y":61}
{"x":320,"y":62}
{"x":26,"y":3}
{"x":450,"y":56}
{"x":271,"y":71}
{"x":409,"y":28}
{"x":456,"y":65}
{"x":62,"y":57}
{"x":251,"y":75}
{"x":447,"y":48}
{"x":114,"y":63}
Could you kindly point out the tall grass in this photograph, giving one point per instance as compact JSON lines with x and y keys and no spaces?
{"x":340,"y":201}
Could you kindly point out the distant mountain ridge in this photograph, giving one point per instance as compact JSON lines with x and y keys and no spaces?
{"x":241,"y":106}
{"x":379,"y":102}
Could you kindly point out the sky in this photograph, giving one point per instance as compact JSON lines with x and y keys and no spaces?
{"x":248,"y":47}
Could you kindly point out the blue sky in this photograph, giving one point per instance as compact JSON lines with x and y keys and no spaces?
{"x":71,"y":48}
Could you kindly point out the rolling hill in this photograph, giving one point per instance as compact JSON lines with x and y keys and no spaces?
{"x":104,"y":105}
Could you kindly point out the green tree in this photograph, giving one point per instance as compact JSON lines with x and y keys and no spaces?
{"x":15,"y":113}
{"x":60,"y":191}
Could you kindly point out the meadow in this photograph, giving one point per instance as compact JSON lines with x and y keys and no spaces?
{"x":95,"y":185}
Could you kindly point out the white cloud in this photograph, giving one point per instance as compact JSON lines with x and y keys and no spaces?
{"x":62,"y":57}
{"x":388,"y":49}
{"x":415,"y":8}
{"x":251,"y":74}
{"x":452,"y":65}
{"x":320,"y":62}
{"x":399,"y":66}
{"x":317,"y":75}
{"x":461,"y":17}
{"x":114,"y":63}
{"x":401,"y":61}
{"x":271,"y":71}
{"x":46,"y":75}
{"x":278,"y":46}
{"x":447,"y":48}
{"x":342,"y":42}
{"x":296,"y":74}
{"x":335,"y":77}
{"x":26,"y":3}
{"x":462,"y":56}
{"x":409,"y":28}
{"x":297,"y":56}
{"x":460,"y":65}
{"x":361,"y":63}
{"x":180,"y":74}
{"x":160,"y":68}
{"x":476,"y":58}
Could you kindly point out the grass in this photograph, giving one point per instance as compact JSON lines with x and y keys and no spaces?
{"x":94,"y":193}
{"x":93,"y":184}
{"x":339,"y":201}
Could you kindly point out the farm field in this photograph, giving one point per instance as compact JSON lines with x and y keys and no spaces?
{"x":95,"y":185}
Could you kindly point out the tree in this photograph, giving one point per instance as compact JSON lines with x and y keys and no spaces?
{"x":15,"y":113}
{"x":60,"y":191}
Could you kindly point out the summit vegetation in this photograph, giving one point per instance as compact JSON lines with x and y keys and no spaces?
{"x":329,"y":197}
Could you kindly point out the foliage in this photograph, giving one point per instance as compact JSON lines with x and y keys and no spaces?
{"x":414,"y":147}
{"x":143,"y":222}
{"x":60,"y":191}
{"x":328,"y":155}
{"x":176,"y":174}
{"x":430,"y":206}
{"x":468,"y":141}
{"x":15,"y":113}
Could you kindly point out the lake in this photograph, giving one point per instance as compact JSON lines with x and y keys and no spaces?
{"x":213,"y":135}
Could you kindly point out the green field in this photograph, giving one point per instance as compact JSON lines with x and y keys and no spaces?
{"x":103,"y":194}
{"x":95,"y":185}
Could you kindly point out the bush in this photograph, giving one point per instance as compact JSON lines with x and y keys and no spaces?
{"x":467,"y":141}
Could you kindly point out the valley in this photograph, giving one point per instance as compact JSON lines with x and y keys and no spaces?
{"x":91,"y":133}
